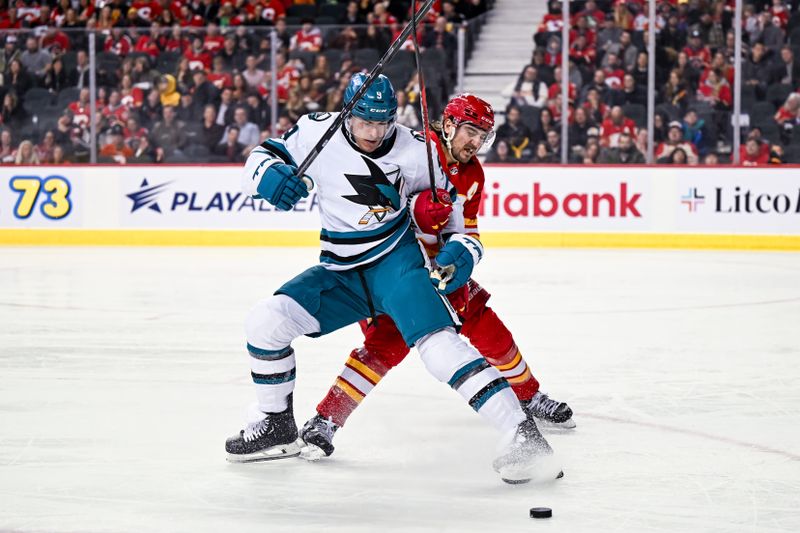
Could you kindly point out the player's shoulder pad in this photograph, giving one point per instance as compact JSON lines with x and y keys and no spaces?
{"x":311,"y":126}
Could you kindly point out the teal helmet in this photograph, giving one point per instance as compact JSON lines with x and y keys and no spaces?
{"x":378,"y":103}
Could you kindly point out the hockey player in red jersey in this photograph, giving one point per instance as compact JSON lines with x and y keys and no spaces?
{"x":467,"y":124}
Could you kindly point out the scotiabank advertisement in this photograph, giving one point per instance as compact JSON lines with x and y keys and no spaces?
{"x":565,"y":198}
{"x":533,"y":199}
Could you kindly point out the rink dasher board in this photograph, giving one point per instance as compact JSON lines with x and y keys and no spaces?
{"x":522,"y":206}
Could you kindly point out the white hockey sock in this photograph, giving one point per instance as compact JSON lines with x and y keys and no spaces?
{"x":450,"y":360}
{"x":270,"y":327}
{"x":273,"y":375}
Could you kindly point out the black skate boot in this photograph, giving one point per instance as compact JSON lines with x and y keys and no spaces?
{"x":552,"y":412}
{"x":528,"y":456}
{"x":317,"y":438}
{"x":274,"y":437}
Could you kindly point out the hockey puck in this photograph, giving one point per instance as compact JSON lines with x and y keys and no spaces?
{"x":541,"y":512}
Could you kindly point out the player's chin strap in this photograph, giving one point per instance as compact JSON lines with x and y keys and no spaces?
{"x":448,"y":138}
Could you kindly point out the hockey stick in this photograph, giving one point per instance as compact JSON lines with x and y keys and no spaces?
{"x":423,"y":104}
{"x":348,"y":108}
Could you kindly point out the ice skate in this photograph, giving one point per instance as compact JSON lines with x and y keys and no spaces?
{"x":552,"y":413}
{"x":274,"y":437}
{"x":316,"y":438}
{"x":527,"y":457}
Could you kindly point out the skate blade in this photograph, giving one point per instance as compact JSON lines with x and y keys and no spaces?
{"x":311,"y":452}
{"x":527,"y":480}
{"x":281,"y":451}
{"x":546,"y":425}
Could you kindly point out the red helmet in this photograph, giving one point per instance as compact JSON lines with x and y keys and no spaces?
{"x":469,"y":108}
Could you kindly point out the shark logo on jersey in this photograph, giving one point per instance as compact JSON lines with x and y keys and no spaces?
{"x":376,"y":191}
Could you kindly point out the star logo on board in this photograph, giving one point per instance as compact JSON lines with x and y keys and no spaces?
{"x":692,"y":199}
{"x":147,"y":196}
{"x":375,"y":191}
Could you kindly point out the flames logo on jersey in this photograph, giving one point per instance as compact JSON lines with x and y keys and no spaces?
{"x":375,"y":191}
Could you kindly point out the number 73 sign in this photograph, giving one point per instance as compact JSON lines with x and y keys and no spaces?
{"x":50,"y":193}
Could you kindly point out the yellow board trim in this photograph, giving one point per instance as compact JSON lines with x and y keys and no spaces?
{"x":522,"y":378}
{"x":364,"y":369}
{"x":350,"y":391}
{"x":289,"y":238}
{"x":514,"y":362}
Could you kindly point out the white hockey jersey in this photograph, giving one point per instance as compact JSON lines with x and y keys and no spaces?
{"x":363,"y":198}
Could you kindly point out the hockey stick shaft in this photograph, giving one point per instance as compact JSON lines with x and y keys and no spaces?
{"x":348,"y":108}
{"x":423,"y":104}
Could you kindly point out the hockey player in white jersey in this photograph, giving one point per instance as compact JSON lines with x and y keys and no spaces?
{"x":370,"y":264}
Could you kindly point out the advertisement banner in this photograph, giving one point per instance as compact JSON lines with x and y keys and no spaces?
{"x":582,"y":203}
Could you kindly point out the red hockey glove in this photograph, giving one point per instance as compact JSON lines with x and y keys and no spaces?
{"x":429,"y":216}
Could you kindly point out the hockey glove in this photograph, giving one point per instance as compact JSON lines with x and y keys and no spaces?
{"x":429,"y":216}
{"x":281,"y":187}
{"x":456,"y":260}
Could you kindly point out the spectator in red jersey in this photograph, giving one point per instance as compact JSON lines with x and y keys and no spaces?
{"x":115,"y":111}
{"x":146,"y":43}
{"x":581,"y":27}
{"x":273,"y":10}
{"x":583,"y":55}
{"x":674,"y":141}
{"x":716,"y":91}
{"x":54,"y":40}
{"x":80,"y":109}
{"x":219,"y":76}
{"x":552,"y":22}
{"x":213,"y":41}
{"x":699,"y":54}
{"x":134,"y":133}
{"x":614,"y":125}
{"x":593,"y":16}
{"x":788,"y":112}
{"x":197,"y":56}
{"x":382,"y":17}
{"x":719,"y":63}
{"x":613,"y":71}
{"x":176,"y":41}
{"x":118,"y":43}
{"x":752,"y":153}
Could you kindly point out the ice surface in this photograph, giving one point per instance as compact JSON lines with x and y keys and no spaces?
{"x":123,"y":370}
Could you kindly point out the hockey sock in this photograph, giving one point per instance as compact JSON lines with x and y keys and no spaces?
{"x":273,"y":374}
{"x":494,"y":341}
{"x":361,"y":372}
{"x":452,"y":361}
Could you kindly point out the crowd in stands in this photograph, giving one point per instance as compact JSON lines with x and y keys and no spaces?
{"x":694,"y":78}
{"x":191,"y":80}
